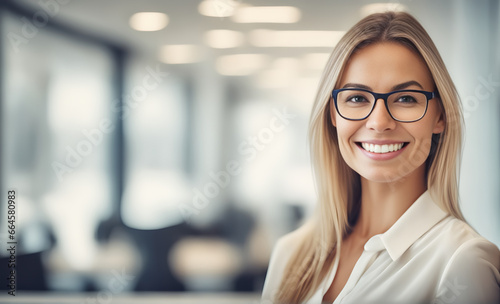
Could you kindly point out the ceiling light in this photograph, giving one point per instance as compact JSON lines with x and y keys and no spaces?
{"x":269,"y":38}
{"x":180,"y":54}
{"x":381,"y":7}
{"x":266,"y":14}
{"x":217,"y":8}
{"x":223,"y":39}
{"x":240,"y":64}
{"x":148,"y":21}
{"x":316,"y":61}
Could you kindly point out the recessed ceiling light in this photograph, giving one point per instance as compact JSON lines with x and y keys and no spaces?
{"x":223,"y":39}
{"x":269,"y":38}
{"x":240,"y":64}
{"x":381,"y":7}
{"x":180,"y":54}
{"x":148,"y":21}
{"x":217,"y":8}
{"x":266,"y":14}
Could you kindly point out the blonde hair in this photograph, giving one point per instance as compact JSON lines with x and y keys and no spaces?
{"x":338,"y":186}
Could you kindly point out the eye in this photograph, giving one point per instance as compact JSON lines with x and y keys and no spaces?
{"x":356,"y":99}
{"x":406,"y":99}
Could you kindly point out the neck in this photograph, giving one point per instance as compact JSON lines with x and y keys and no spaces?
{"x":382,"y":204}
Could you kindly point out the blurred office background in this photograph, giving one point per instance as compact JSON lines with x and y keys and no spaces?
{"x":170,"y":149}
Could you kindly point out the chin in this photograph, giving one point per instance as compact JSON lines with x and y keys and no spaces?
{"x":382,"y":176}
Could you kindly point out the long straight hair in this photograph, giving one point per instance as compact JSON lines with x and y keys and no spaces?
{"x":338,"y":186}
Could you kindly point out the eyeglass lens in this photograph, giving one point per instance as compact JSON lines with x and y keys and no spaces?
{"x":404,"y":106}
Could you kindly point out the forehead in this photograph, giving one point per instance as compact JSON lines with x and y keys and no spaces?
{"x":384,"y":65}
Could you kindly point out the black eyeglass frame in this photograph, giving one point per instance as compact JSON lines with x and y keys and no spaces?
{"x":384,"y":96}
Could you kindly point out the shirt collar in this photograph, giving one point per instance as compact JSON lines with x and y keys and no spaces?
{"x":422,"y":215}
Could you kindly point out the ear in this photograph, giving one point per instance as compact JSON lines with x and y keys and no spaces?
{"x":439,"y":125}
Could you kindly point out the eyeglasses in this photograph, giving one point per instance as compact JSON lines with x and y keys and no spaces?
{"x":402,"y":105}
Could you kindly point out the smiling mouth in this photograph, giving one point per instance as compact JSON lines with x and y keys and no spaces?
{"x":382,"y":148}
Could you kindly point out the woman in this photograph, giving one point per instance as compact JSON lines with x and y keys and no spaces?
{"x":388,"y":227}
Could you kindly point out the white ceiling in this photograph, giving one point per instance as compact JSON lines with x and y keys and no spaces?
{"x":109,"y":19}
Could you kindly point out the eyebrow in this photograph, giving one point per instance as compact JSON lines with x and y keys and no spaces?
{"x":400,"y":86}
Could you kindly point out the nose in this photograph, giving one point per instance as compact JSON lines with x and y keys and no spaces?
{"x":380,"y":120}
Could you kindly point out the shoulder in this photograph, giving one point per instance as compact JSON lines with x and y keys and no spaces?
{"x":472,"y":272}
{"x":463,"y":244}
{"x":282,"y":252}
{"x":455,"y":235}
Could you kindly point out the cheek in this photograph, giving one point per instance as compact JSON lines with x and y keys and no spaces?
{"x":422,"y":134}
{"x":345,"y":131}
{"x":342,"y":131}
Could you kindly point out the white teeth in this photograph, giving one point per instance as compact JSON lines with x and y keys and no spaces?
{"x":381,"y":148}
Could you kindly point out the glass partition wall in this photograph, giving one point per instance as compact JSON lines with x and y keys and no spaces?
{"x":57,"y":130}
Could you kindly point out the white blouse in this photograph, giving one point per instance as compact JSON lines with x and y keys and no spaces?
{"x":427,"y":256}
